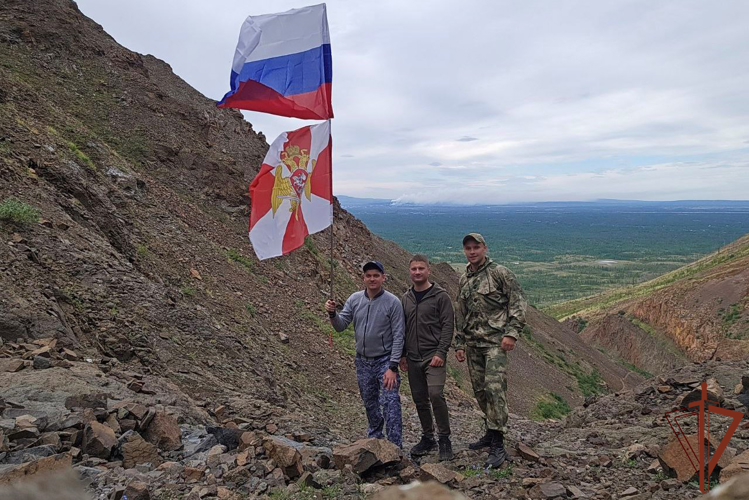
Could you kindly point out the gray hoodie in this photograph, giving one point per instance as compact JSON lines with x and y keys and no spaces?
{"x":379,"y":325}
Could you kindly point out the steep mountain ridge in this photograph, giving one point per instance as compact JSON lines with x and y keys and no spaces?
{"x":141,"y":252}
{"x":695,"y":313}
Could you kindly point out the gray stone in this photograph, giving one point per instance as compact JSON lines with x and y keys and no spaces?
{"x":194,"y":443}
{"x":29,"y":454}
{"x":41,"y":363}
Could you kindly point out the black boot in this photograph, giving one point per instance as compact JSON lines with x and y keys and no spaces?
{"x":497,"y":452}
{"x":483,"y":442}
{"x":424,"y":446}
{"x":446,"y":449}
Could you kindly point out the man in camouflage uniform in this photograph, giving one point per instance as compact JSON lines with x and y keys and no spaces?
{"x":489,"y":316}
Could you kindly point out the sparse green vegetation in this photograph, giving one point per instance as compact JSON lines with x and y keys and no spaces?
{"x":251,"y":309}
{"x":660,"y":476}
{"x":732,"y":315}
{"x":634,"y":368}
{"x":588,"y":383}
{"x":187,"y":291}
{"x":457,"y":376}
{"x":134,"y":147}
{"x":344,"y":340}
{"x":551,"y":406}
{"x":527,"y":332}
{"x":664,"y":342}
{"x":81,"y":156}
{"x":471,"y":471}
{"x":581,"y":324}
{"x":234,"y":255}
{"x":142,"y":251}
{"x":310,"y":245}
{"x":730,"y":318}
{"x":503,"y":473}
{"x":18,"y":212}
{"x":476,"y":471}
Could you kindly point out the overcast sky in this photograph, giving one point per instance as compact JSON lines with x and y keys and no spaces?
{"x":501,"y":101}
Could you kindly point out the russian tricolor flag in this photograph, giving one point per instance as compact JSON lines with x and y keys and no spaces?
{"x":283,"y":65}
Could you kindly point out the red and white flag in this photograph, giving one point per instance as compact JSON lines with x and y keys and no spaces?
{"x":292,"y":195}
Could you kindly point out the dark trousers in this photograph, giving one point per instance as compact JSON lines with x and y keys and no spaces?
{"x":428,"y":390}
{"x":378,"y":401}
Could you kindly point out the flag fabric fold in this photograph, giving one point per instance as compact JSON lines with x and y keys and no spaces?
{"x":283,"y":65}
{"x":292,"y":195}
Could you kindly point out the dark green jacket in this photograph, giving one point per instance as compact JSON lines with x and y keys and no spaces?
{"x":490,"y":306}
{"x":429,"y":324}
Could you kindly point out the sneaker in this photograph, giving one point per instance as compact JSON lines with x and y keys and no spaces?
{"x":484,"y":442}
{"x":424,"y":446}
{"x":446,"y":449}
{"x":497,"y":452}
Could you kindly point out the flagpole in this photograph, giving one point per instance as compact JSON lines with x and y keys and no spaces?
{"x":332,"y":221}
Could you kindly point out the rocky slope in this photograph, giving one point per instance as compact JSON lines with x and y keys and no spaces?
{"x":125,"y":440}
{"x":696,"y":313}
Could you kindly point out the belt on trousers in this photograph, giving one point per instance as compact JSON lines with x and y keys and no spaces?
{"x":368,"y":358}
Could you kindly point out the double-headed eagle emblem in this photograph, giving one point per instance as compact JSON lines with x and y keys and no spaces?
{"x":290,"y":187}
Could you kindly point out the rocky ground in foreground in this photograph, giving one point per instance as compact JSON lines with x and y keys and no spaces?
{"x":130,"y":435}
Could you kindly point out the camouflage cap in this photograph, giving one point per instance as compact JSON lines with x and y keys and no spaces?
{"x":475,"y":237}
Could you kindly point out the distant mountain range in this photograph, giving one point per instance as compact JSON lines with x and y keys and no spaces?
{"x":351,"y":201}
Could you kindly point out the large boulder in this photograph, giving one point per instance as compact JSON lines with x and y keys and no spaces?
{"x":364,"y":454}
{"x":98,"y":440}
{"x":441,"y":474}
{"x":13,"y":473}
{"x":285,"y":453}
{"x":136,"y":450}
{"x":419,"y":491}
{"x":739,"y":465}
{"x":164,"y":432}
{"x":675,"y":461}
{"x":714,"y":394}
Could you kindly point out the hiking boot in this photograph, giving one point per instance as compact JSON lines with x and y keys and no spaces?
{"x":446,"y":449}
{"x":483,"y":442}
{"x":497,"y":452}
{"x":424,"y":446}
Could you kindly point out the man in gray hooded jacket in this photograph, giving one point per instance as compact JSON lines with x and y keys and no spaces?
{"x":379,"y":331}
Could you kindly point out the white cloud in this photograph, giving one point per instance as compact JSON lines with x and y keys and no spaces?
{"x":486,"y":101}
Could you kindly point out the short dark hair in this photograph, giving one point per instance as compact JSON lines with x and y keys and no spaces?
{"x":419,"y":257}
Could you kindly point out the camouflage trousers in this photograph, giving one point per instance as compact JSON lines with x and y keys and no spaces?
{"x":378,"y":400}
{"x":488,"y":369}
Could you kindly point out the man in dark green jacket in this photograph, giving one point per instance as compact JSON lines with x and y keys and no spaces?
{"x":489,"y":316}
{"x":429,"y":332}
